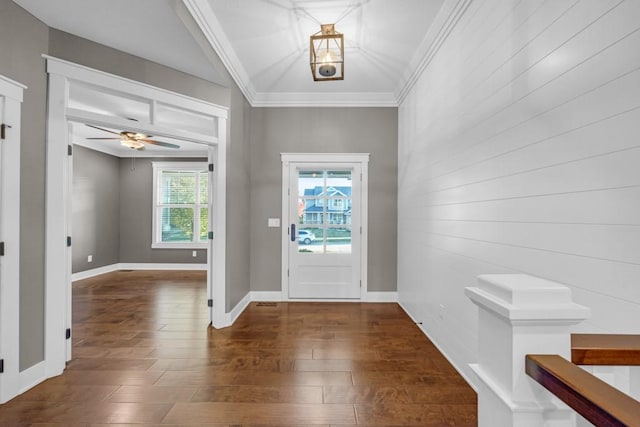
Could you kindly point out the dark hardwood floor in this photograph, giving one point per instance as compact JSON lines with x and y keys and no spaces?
{"x":143,"y":354}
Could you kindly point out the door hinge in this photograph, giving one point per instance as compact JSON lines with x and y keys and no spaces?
{"x":1,"y":366}
{"x":69,"y":150}
{"x":1,"y":248}
{"x":67,"y":333}
{"x":3,"y":130}
{"x":210,"y":235}
{"x":68,"y":241}
{"x":209,"y":303}
{"x":210,"y":167}
{"x":360,"y":229}
{"x":360,"y":283}
{"x":287,"y":272}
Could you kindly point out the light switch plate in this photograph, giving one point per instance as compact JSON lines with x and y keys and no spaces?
{"x":273,"y":222}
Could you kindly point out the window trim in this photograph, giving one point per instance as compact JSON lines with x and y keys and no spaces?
{"x":158,"y":168}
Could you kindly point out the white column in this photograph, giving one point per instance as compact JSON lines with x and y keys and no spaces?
{"x":520,"y":315}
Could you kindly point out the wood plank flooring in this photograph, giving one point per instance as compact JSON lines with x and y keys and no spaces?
{"x":144,"y":355}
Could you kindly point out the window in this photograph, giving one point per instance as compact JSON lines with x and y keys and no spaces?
{"x":180,"y":205}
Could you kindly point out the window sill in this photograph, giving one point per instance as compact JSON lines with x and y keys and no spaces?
{"x":191,"y":246}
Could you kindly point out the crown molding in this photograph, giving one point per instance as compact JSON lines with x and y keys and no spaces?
{"x":443,"y":25}
{"x":322,"y":99}
{"x":208,"y":22}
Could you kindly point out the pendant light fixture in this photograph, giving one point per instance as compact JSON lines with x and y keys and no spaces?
{"x":326,"y":53}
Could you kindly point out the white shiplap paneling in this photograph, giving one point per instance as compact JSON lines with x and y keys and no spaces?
{"x":519,"y":152}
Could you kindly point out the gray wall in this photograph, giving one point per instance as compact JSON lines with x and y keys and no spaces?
{"x":96,"y":209}
{"x":135,"y":216}
{"x":323,"y":130}
{"x":23,"y":39}
{"x":112,"y":207}
{"x":81,"y":51}
{"x":238,"y":202}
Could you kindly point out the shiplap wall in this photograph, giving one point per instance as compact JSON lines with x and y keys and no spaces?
{"x":520,"y":152}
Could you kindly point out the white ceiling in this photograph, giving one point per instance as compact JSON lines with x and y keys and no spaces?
{"x":264,"y":44}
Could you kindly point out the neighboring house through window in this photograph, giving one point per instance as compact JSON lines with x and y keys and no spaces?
{"x":338,"y":204}
{"x":180,"y":205}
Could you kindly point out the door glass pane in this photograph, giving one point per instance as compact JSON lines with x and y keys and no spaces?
{"x":339,"y":183}
{"x":310,"y":183}
{"x":310,"y":211}
{"x":339,"y":240}
{"x":177,"y":224}
{"x":204,"y":224}
{"x":311,"y":240}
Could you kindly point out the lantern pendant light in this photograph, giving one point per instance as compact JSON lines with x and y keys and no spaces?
{"x":326,"y":51}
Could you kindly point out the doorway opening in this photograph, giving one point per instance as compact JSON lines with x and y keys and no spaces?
{"x":78,"y":94}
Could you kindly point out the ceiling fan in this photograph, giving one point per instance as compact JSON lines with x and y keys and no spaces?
{"x":134,"y":140}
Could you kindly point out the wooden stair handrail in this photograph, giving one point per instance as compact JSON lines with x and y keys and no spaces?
{"x":597,"y":401}
{"x":605,"y":349}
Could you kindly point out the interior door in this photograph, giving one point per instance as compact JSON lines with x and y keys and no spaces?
{"x":324,"y":230}
{"x":2,"y":319}
{"x":10,"y":99}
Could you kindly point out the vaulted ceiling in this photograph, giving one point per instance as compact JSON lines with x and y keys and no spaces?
{"x":264,"y":44}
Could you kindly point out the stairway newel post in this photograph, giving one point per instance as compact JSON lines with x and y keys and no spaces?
{"x":520,"y":315}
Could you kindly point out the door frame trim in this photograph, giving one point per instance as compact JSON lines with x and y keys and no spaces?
{"x":331,"y":158}
{"x":62,"y":75}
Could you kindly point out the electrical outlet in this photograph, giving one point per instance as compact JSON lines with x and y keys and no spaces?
{"x":90,"y":258}
{"x":194,"y":254}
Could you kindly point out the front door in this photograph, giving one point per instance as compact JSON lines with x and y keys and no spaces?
{"x":324,"y":230}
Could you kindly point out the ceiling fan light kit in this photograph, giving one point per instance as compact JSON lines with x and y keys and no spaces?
{"x":132,"y":143}
{"x":133,"y":140}
{"x":326,"y":54}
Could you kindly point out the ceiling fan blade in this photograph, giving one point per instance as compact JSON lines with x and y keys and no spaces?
{"x":106,"y":130}
{"x":104,"y":139}
{"x":159,"y":143}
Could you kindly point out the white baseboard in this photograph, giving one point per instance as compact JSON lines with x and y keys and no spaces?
{"x":369,"y":297}
{"x":135,"y":266}
{"x":380,"y":297}
{"x":462,"y":373}
{"x":32,"y":376}
{"x":160,"y":266}
{"x":94,"y":272}
{"x":266,"y":296}
{"x":239,"y":308}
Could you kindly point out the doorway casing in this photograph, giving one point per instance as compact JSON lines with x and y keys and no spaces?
{"x":63,"y":77}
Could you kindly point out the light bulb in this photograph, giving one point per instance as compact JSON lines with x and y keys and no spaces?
{"x":327,"y":68}
{"x":132,"y":143}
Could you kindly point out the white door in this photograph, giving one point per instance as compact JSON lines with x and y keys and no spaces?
{"x":2,"y":262}
{"x":10,"y":100}
{"x":324,"y":236}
